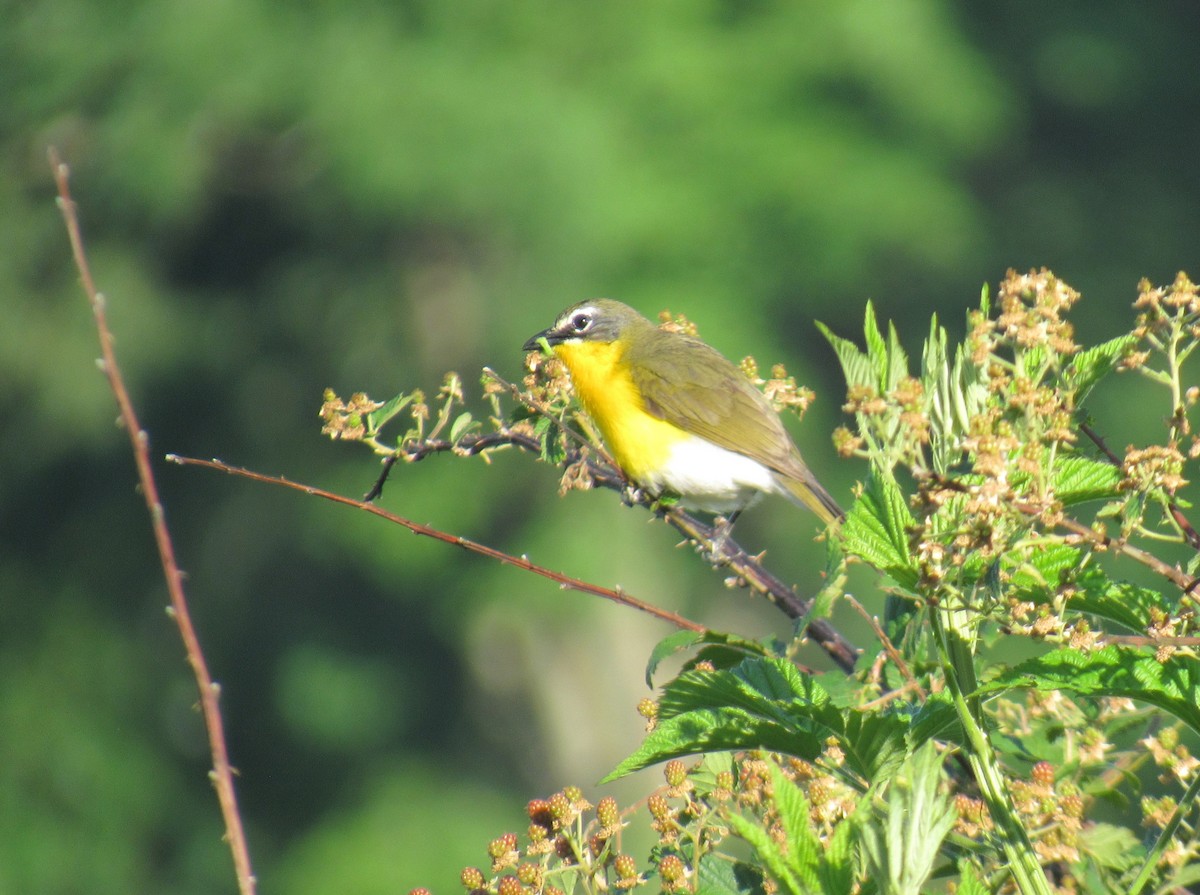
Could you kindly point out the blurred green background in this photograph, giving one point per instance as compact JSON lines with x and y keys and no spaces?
{"x":279,"y":198}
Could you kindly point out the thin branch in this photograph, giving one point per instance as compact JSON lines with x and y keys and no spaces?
{"x":1189,"y":532}
{"x":890,"y":648}
{"x":722,"y":551}
{"x":521,"y":562}
{"x":222,"y":772}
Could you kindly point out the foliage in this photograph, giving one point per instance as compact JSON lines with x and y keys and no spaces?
{"x":284,"y":197}
{"x":992,"y":511}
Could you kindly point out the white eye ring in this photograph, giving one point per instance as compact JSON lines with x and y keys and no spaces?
{"x":581,"y":321}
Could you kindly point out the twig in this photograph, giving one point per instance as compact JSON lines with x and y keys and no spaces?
{"x":521,"y":562}
{"x":724,"y":552}
{"x":888,"y":646}
{"x":222,"y":773}
{"x":1189,"y":532}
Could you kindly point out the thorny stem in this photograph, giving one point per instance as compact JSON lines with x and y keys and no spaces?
{"x":521,"y":562}
{"x":724,"y":552}
{"x":222,"y":772}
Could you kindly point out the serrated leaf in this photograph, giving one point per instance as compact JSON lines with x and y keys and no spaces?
{"x":969,"y":882}
{"x":377,"y":419}
{"x":876,"y":530}
{"x":1089,"y":367}
{"x":717,"y":876}
{"x":1126,"y":604}
{"x":1173,"y":685}
{"x":803,"y":853}
{"x":876,"y":347}
{"x":769,"y":853}
{"x":936,"y":719}
{"x":706,"y":730}
{"x":916,"y":820}
{"x":547,"y":432}
{"x":461,"y":425}
{"x":669,"y":646}
{"x":767,"y":703}
{"x":897,"y":367}
{"x":856,"y":366}
{"x":1078,"y":479}
{"x":736,"y":648}
{"x":1111,"y":846}
{"x":1045,"y":566}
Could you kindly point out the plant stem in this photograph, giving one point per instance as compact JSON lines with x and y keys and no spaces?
{"x":959,"y":663}
{"x":1166,"y":836}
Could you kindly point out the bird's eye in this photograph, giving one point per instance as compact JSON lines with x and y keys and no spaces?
{"x":581,"y":322}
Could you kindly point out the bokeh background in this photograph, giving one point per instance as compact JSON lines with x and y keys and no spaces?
{"x":283,"y":197}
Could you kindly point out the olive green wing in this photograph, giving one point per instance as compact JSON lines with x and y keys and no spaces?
{"x":689,"y":384}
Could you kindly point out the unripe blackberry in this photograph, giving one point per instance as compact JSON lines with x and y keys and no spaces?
{"x":573,"y":793}
{"x":597,"y":843}
{"x":530,"y":875}
{"x":625,"y":866}
{"x":1072,"y":806}
{"x":658,"y":807}
{"x":560,"y":806}
{"x":647,"y":708}
{"x":502,"y":845}
{"x":420,"y":891}
{"x":675,"y":772}
{"x":472,"y":878}
{"x":509,"y":885}
{"x":564,"y":850}
{"x":672,"y":870}
{"x":539,"y":812}
{"x":607,"y":812}
{"x":1043,"y":773}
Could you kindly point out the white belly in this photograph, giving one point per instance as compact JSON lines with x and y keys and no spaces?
{"x":712,"y":479}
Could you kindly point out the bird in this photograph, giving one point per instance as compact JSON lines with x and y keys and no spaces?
{"x":677,"y":417}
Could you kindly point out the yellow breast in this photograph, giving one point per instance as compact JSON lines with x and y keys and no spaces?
{"x":640,"y":443}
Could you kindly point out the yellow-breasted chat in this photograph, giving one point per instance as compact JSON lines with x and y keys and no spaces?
{"x":677,"y":416}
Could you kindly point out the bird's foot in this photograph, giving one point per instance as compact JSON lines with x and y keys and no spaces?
{"x":722,"y":530}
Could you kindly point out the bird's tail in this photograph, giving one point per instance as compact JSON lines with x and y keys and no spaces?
{"x":808,"y":492}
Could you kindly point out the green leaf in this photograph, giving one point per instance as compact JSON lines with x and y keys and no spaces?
{"x":769,"y":853}
{"x":916,"y":820}
{"x":1173,"y":685}
{"x":548,"y":435}
{"x":1078,"y":479}
{"x":897,"y":367}
{"x":718,"y":876}
{"x":1090,"y":366}
{"x":804,"y":851}
{"x":856,"y":366}
{"x":876,"y":347}
{"x":1111,"y":846}
{"x":876,"y":530}
{"x":767,"y":704}
{"x":1044,"y":568}
{"x":377,"y":419}
{"x":1126,"y":604}
{"x":462,"y":424}
{"x":969,"y":882}
{"x":727,"y":649}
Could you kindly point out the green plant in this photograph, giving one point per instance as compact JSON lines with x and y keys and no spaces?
{"x":994,"y":514}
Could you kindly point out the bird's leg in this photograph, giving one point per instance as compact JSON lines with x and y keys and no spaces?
{"x":632,"y":495}
{"x":722,"y":529}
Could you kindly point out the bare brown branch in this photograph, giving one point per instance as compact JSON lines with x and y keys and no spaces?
{"x":722,"y":551}
{"x":222,"y":772}
{"x":520,"y":562}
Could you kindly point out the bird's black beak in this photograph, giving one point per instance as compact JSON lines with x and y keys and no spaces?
{"x":534,"y":342}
